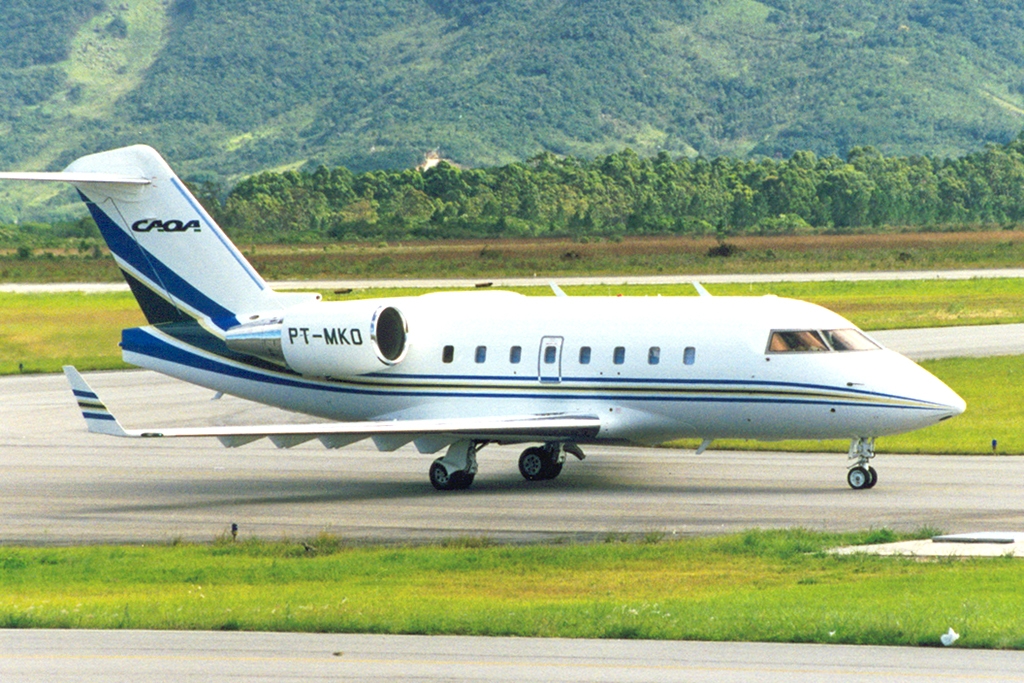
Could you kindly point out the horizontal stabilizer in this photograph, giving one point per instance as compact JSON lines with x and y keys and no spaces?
{"x":62,"y":177}
{"x":178,"y":262}
{"x":387,"y":434}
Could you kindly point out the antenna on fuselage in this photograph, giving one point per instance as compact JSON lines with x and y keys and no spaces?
{"x":556,"y":289}
{"x":700,"y":289}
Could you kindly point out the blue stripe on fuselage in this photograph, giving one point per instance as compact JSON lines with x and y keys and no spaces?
{"x":141,"y":341}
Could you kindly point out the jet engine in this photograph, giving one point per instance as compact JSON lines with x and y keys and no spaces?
{"x":333,"y":339}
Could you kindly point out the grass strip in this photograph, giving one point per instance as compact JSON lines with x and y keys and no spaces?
{"x":756,"y":586}
{"x":42,"y":332}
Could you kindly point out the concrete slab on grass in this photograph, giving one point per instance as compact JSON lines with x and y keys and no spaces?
{"x":978,"y":544}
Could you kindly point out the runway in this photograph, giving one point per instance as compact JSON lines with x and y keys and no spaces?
{"x":63,"y":485}
{"x":950,"y":342}
{"x":157,"y":657}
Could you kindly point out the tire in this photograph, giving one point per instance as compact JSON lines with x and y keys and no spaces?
{"x":440,"y":479}
{"x":533,"y":464}
{"x":858,"y":478}
{"x":462,"y":480}
{"x":553,"y":470}
{"x":874,"y":478}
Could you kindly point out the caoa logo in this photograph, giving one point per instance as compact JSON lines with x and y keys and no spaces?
{"x":148,"y":224}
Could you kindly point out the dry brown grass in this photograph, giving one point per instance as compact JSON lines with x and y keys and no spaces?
{"x":552,"y":257}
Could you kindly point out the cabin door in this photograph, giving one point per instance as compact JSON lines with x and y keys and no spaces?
{"x":549,"y":362}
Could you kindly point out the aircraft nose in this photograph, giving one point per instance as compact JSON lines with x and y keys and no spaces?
{"x":908,"y":379}
{"x":938,"y":392}
{"x":954,"y":402}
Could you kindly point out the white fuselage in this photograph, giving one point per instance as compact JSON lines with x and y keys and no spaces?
{"x":652,"y":368}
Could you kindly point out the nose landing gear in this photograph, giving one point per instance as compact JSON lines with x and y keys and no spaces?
{"x":861,"y":475}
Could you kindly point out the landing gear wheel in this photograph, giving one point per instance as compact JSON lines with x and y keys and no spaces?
{"x":533,"y":464}
{"x":443,"y":481}
{"x":861,"y":475}
{"x":462,"y":480}
{"x":874,"y":478}
{"x":440,"y":479}
{"x":554,"y":469}
{"x":859,"y":478}
{"x":457,"y":469}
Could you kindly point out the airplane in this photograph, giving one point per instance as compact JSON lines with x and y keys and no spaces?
{"x":455,"y":371}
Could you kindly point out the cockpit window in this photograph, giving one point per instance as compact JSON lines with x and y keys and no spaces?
{"x":787,"y":341}
{"x":796,"y":340}
{"x":848,"y":340}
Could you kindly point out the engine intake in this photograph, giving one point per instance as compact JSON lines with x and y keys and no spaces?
{"x":388,"y":330}
{"x":333,"y":339}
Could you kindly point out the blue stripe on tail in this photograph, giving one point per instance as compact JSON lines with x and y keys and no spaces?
{"x":157,"y":305}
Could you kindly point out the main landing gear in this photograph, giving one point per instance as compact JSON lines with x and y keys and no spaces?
{"x":457,"y":469}
{"x":861,"y":475}
{"x":545,"y":462}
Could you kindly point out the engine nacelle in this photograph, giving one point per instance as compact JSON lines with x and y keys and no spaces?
{"x":332,"y":339}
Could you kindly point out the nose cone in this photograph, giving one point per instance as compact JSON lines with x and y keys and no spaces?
{"x":955,"y":405}
{"x":915,"y":398}
{"x":922,"y":386}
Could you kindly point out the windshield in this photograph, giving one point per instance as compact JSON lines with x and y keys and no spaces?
{"x":788,"y":341}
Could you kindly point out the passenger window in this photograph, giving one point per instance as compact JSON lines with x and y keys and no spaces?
{"x":448,"y":354}
{"x":796,"y":340}
{"x":654,"y":355}
{"x":619,"y":357}
{"x":550,"y":352}
{"x":689,"y":355}
{"x":481,"y":354}
{"x":515,"y":354}
{"x":584,"y":355}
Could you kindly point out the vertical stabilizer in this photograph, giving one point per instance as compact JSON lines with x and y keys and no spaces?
{"x":178,"y":262}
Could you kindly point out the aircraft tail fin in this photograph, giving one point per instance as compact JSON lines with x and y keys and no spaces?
{"x":178,"y":262}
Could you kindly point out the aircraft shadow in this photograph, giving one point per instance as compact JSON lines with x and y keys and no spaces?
{"x":192,"y":494}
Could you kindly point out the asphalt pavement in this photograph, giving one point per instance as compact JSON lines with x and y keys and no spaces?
{"x":158,"y":657}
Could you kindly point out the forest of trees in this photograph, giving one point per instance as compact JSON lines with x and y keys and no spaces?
{"x":224,"y":88}
{"x":624,"y":194}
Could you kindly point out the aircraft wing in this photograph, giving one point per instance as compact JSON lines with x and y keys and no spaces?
{"x":429,"y":435}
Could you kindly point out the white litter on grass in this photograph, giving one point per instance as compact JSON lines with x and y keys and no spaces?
{"x":949,"y":637}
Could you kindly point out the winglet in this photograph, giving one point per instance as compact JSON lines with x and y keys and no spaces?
{"x":97,"y":417}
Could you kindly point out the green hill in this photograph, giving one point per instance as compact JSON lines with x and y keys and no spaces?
{"x":225,"y":88}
